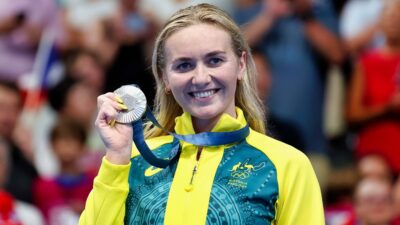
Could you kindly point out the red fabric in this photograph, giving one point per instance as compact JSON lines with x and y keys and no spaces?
{"x":7,"y":214}
{"x":340,"y":214}
{"x":52,"y":193}
{"x":396,"y":221}
{"x":381,"y":80}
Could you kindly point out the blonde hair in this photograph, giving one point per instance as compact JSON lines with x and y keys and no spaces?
{"x":165,"y":106}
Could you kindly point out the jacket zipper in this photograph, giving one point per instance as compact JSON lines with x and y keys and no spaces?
{"x":189,"y":187}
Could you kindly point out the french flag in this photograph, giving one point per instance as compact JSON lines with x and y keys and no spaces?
{"x":47,"y":71}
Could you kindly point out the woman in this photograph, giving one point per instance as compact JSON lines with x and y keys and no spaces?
{"x":374,"y":94}
{"x":205,"y":82}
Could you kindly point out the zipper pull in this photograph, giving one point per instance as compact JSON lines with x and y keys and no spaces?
{"x":189,"y":187}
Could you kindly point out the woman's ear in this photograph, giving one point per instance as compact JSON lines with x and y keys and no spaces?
{"x":165,"y":80}
{"x":242,"y":65}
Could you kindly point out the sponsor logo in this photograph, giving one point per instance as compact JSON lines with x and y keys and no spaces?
{"x":151,"y":171}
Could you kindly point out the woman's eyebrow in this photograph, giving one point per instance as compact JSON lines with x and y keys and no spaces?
{"x":181,"y":59}
{"x":214,"y":53}
{"x":210,"y":54}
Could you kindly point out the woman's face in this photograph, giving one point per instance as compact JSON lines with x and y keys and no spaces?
{"x":202,"y":71}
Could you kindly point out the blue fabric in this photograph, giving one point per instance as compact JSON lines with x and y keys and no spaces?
{"x":297,"y":91}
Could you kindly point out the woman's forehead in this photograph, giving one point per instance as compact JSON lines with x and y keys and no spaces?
{"x":199,"y":38}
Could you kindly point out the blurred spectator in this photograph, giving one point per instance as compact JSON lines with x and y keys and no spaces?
{"x":84,"y":26}
{"x":281,"y":130}
{"x":62,"y":198}
{"x":7,"y":208}
{"x":131,"y":30}
{"x":20,"y":166}
{"x":74,"y":99}
{"x":359,"y":25}
{"x":264,"y":81}
{"x":338,"y":5}
{"x":82,"y":14}
{"x":396,"y":199}
{"x":132,"y":25}
{"x":374,"y":94}
{"x":373,"y":203}
{"x":340,"y":214}
{"x":12,"y":211}
{"x":298,"y":38}
{"x":374,"y":166}
{"x":21,"y":25}
{"x":342,"y":210}
{"x":162,"y":10}
{"x":86,"y":65}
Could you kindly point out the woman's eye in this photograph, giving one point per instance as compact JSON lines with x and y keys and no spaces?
{"x":183,"y":67}
{"x":215,"y":61}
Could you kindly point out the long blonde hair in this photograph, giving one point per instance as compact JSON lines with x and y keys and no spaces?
{"x":165,"y":106}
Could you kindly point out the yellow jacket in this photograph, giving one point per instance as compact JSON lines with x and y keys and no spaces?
{"x":257,"y":181}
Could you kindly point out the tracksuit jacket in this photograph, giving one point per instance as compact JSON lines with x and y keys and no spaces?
{"x":257,"y":181}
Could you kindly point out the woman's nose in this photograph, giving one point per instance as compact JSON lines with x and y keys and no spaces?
{"x":201,"y":75}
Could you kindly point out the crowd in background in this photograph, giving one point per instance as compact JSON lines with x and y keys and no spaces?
{"x":328,"y":72}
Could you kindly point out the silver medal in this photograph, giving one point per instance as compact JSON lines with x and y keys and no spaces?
{"x":136,"y":102}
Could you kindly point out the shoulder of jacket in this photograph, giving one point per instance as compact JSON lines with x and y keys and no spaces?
{"x":278,"y":151}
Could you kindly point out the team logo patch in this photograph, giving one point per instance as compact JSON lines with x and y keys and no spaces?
{"x":241,"y":171}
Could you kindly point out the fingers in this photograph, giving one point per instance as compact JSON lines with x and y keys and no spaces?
{"x":111,"y":98}
{"x":109,"y":105}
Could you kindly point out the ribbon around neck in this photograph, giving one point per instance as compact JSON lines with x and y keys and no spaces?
{"x":199,"y":139}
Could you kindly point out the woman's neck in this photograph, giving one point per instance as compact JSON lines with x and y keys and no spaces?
{"x":70,"y":169}
{"x":204,"y":125}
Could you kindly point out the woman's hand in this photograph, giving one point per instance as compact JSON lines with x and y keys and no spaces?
{"x":117,"y":137}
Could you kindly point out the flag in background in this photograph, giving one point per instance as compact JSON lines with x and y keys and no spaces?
{"x":47,"y":71}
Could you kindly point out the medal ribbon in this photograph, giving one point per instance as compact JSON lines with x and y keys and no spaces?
{"x":200,"y":139}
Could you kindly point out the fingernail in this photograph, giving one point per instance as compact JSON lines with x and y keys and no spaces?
{"x":122,"y":106}
{"x":111,"y":123}
{"x":119,"y":99}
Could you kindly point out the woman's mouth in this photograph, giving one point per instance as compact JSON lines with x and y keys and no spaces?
{"x":203,"y":94}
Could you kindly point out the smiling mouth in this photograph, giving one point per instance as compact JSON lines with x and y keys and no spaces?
{"x":203,"y":94}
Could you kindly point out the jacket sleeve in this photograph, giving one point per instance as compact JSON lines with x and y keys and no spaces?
{"x":106,"y":202}
{"x":300,"y":200}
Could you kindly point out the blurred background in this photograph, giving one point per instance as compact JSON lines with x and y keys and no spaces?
{"x":328,"y":72}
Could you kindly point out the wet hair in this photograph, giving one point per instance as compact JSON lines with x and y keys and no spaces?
{"x":165,"y":106}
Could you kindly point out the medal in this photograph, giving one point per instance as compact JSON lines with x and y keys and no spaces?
{"x":136,"y":102}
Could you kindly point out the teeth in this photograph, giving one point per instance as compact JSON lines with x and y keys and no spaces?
{"x":203,"y":94}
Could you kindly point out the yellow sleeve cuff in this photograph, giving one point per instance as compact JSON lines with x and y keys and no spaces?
{"x":113,"y":175}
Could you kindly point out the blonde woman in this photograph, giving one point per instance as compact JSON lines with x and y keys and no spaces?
{"x":205,"y":83}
